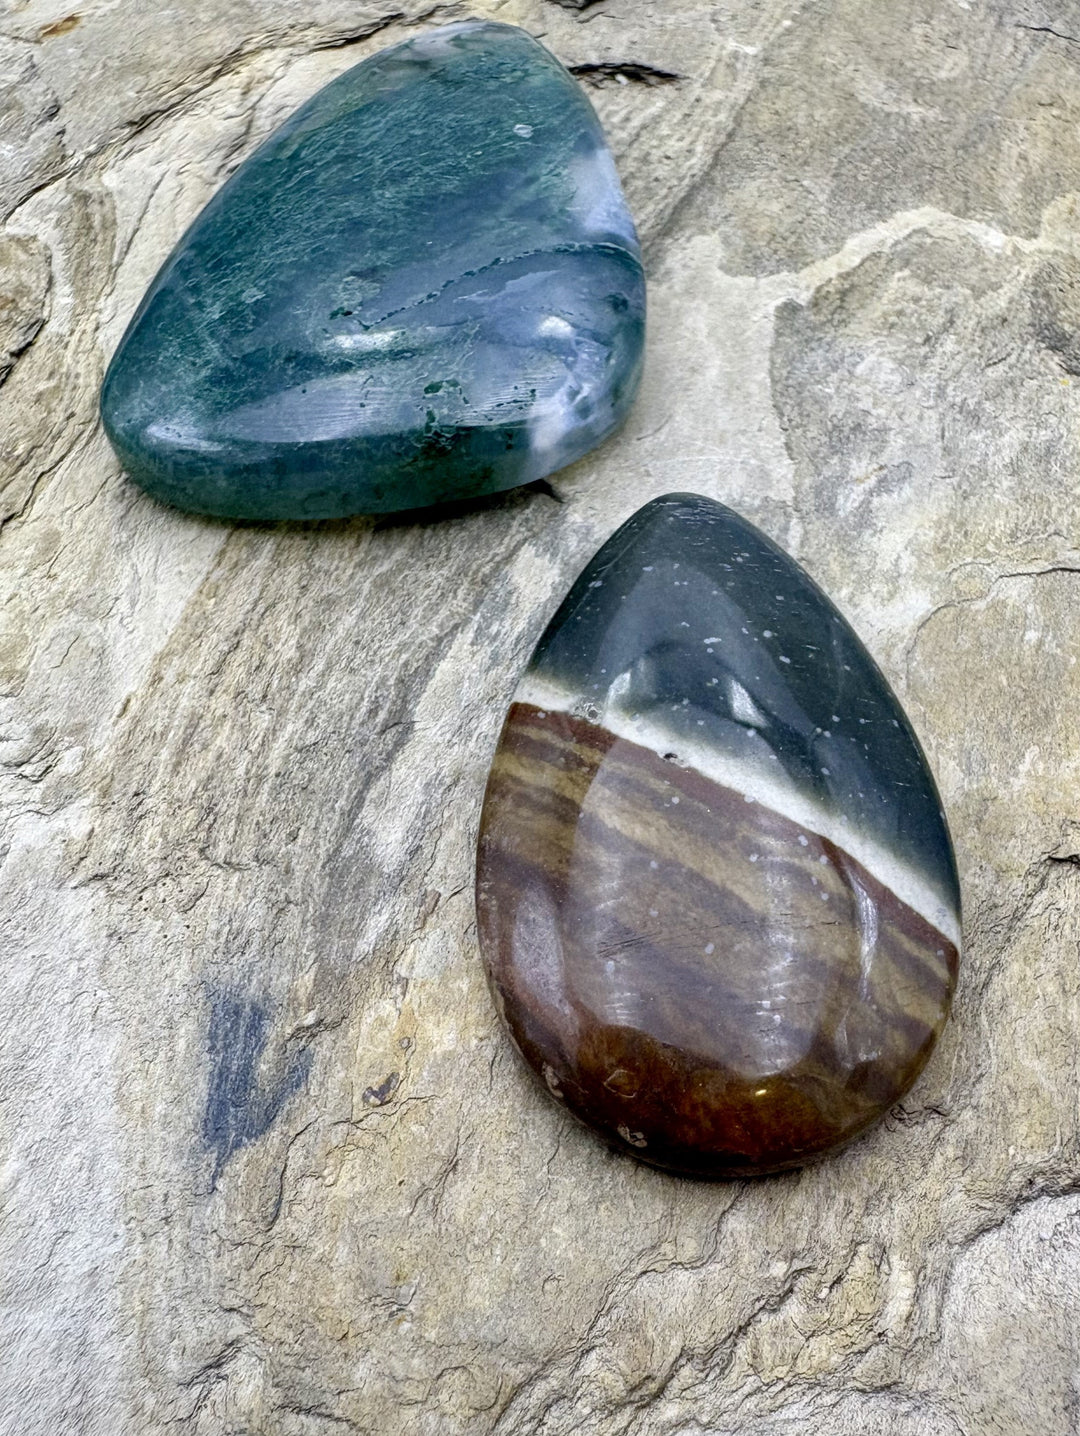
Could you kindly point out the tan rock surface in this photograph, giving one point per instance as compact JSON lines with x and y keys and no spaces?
{"x":266,"y":1162}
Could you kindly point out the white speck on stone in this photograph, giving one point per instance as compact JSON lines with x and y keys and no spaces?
{"x":803,"y":842}
{"x":710,"y":948}
{"x":784,"y":660}
{"x":554,"y":327}
{"x":653,"y":863}
{"x":754,"y":857}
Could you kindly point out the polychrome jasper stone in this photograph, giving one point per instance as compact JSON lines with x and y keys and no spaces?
{"x":717,"y":896}
{"x":426,"y":286}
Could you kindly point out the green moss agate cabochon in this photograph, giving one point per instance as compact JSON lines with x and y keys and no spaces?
{"x":424,"y":287}
{"x":716,"y":893}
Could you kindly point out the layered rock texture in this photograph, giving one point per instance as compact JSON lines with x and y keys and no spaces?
{"x":269,"y":1163}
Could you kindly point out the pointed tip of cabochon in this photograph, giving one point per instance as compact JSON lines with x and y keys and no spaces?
{"x":686,"y":505}
{"x":689,"y":512}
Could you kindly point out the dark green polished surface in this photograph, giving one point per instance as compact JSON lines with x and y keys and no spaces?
{"x":424,"y":287}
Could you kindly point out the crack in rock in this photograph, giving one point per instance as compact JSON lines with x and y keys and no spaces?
{"x":623,"y":72}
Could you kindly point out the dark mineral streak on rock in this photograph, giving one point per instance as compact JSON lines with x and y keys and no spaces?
{"x":380,"y":1095}
{"x":423,"y":288}
{"x":722,"y":932}
{"x":240,"y":1105}
{"x":608,"y":72}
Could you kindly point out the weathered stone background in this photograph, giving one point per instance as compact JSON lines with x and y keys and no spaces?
{"x":267,"y":1163}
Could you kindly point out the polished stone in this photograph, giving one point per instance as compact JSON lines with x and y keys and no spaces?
{"x":424,"y":287}
{"x":717,"y":897}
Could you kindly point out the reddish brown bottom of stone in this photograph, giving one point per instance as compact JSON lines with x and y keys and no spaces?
{"x":708,"y":985}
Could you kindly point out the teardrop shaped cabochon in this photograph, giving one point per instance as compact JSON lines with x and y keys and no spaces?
{"x":717,"y":898}
{"x":425,"y":286}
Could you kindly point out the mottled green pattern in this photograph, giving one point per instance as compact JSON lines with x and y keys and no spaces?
{"x":425,"y":286}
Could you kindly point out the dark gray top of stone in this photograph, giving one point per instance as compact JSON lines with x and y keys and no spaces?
{"x":690,"y":618}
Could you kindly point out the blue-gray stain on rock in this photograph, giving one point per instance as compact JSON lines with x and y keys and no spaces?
{"x":240,"y":1108}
